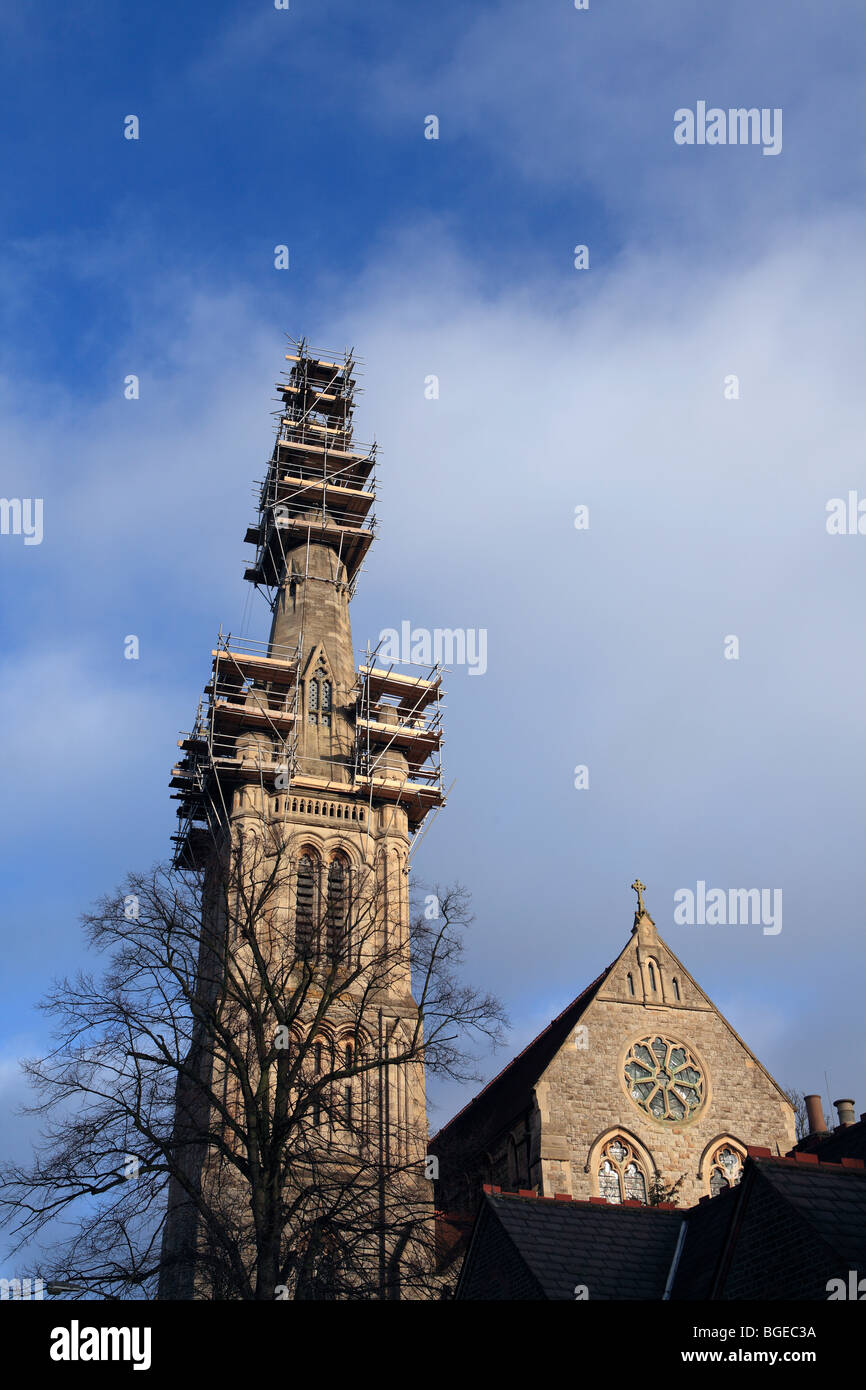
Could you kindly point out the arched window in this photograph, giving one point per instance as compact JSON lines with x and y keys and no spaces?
{"x":630,"y":980}
{"x":726,"y":1168}
{"x":338,"y":908}
{"x":676,"y":988}
{"x":621,"y":1177}
{"x":306,"y":911}
{"x":320,"y":696}
{"x":652,"y":977}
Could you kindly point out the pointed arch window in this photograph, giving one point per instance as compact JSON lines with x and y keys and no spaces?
{"x":338,"y":908}
{"x":726,"y":1168}
{"x":621,"y":1176}
{"x":320,"y":696}
{"x":306,"y":905}
{"x":630,"y":981}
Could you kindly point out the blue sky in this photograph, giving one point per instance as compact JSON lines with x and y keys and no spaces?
{"x":557,"y":388}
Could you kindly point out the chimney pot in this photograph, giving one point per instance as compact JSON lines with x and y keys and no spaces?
{"x":815,"y":1115}
{"x":845,"y":1110}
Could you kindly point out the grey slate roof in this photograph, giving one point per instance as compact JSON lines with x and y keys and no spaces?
{"x":790,"y":1225}
{"x":616,"y":1251}
{"x":830,"y":1198}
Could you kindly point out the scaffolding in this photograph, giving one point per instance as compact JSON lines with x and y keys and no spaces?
{"x":398,"y":736}
{"x":320,"y":484}
{"x":319,"y":487}
{"x":253,"y":690}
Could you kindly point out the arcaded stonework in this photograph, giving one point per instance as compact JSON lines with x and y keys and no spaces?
{"x":563,"y":1117}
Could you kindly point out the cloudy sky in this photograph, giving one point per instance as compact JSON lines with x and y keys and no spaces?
{"x":603,"y":387}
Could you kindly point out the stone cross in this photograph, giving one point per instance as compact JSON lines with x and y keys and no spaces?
{"x":639,"y":888}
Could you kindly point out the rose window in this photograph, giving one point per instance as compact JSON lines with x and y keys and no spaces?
{"x":664,"y":1079}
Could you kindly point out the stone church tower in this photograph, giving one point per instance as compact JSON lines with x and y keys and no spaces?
{"x":340,"y":761}
{"x":638,"y":1090}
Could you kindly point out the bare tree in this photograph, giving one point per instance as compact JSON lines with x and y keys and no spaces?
{"x":234,"y":1104}
{"x":801,"y":1114}
{"x":801,"y":1118}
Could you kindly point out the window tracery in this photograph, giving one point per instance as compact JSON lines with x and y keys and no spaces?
{"x":320,"y":695}
{"x":621,"y":1177}
{"x":726,"y":1168}
{"x":663,"y":1079}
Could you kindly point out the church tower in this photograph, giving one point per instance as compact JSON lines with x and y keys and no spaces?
{"x":340,"y":760}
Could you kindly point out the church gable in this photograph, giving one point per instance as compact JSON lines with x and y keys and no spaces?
{"x":651,"y":974}
{"x":653,"y":1088}
{"x":648,"y":973}
{"x":640,"y":1090}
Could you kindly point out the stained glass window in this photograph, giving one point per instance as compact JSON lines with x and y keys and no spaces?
{"x":635,"y":1183}
{"x":608,"y":1182}
{"x":620,"y":1176}
{"x":663,"y":1079}
{"x":726,"y":1169}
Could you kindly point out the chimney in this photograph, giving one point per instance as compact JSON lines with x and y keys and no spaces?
{"x":815,"y":1115}
{"x":845,"y":1110}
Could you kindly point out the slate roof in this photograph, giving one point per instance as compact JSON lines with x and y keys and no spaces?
{"x":622,"y":1251}
{"x":709,"y":1224}
{"x":510,"y":1092}
{"x":789,"y":1224}
{"x":830,"y":1197}
{"x":794,"y":1210}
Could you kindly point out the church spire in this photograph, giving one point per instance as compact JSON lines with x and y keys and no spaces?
{"x":294,"y":714}
{"x":315,"y":526}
